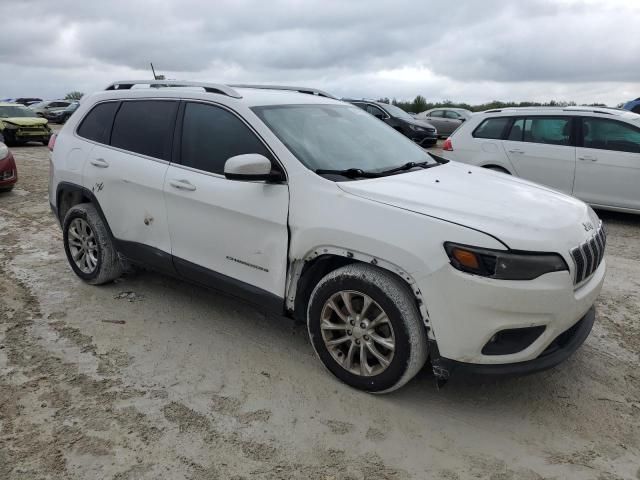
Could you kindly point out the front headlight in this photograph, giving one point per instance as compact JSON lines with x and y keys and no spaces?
{"x":416,"y":128}
{"x":503,"y":264}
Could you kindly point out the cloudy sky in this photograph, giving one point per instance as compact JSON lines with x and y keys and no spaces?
{"x":464,"y":50}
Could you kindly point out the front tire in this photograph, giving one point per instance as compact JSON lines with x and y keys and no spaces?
{"x":89,"y":247}
{"x":365,"y":327}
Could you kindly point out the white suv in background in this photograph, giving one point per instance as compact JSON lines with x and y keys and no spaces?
{"x":591,"y":153}
{"x":311,"y":207}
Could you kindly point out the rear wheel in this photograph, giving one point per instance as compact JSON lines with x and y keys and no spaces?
{"x":88,"y":245}
{"x":366,"y":329}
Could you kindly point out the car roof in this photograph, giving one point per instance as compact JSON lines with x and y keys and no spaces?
{"x":602,"y":111}
{"x":249,"y":95}
{"x":11,"y":104}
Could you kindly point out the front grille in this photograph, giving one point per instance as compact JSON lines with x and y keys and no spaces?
{"x":587,"y":256}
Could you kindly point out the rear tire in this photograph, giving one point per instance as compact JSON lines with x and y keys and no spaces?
{"x":89,"y":247}
{"x":377,"y":348}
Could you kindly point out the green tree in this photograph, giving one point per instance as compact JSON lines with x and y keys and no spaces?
{"x":75,"y":95}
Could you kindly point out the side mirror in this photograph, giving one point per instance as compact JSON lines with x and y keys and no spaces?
{"x":251,"y":167}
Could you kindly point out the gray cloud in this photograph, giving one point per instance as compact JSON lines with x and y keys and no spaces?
{"x":465,"y":50}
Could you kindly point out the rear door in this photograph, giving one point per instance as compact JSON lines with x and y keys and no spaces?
{"x":436,"y":118}
{"x":541,"y":149}
{"x":125,"y":170}
{"x":225,"y":232}
{"x":608,"y":166}
{"x":453,"y":119}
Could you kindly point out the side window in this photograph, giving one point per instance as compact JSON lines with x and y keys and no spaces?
{"x":451,"y":114}
{"x":610,"y":135}
{"x":211,"y":135}
{"x":97,"y":123}
{"x":361,"y":105}
{"x":491,"y":128}
{"x":376,"y":112}
{"x":437,"y":114}
{"x":517,"y":128}
{"x":552,"y":131}
{"x":145,"y":127}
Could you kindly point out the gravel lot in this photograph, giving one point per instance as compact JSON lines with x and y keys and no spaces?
{"x":151,"y":378}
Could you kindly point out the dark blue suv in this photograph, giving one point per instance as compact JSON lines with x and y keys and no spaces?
{"x":633,"y":105}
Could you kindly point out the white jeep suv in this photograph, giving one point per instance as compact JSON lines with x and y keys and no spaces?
{"x":591,"y":153}
{"x":311,"y":207}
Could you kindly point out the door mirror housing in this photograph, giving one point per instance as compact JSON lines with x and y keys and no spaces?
{"x":251,"y":167}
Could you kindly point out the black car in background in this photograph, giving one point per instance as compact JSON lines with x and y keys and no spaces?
{"x":26,"y":101}
{"x":421,"y":132}
{"x":61,"y":116}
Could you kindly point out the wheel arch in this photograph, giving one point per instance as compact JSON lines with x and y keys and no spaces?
{"x":68,"y":195}
{"x":305,"y":273}
{"x":496,"y":166}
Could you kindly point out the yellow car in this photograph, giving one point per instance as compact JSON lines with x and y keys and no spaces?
{"x":18,"y":125}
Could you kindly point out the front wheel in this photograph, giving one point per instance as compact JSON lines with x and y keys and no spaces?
{"x":365,"y":327}
{"x":88,"y":245}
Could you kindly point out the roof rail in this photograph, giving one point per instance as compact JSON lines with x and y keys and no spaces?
{"x":208,"y":87}
{"x":310,"y":91}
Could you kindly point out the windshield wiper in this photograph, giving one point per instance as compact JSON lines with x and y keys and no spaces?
{"x":349,"y":173}
{"x":409,"y":166}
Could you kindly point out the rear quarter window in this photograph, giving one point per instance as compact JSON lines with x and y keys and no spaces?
{"x":491,"y":128}
{"x":96,"y":125}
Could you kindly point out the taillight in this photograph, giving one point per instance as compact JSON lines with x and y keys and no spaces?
{"x":52,"y":141}
{"x":448,"y":145}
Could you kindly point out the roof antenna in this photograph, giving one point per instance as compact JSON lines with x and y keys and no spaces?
{"x":155,"y":77}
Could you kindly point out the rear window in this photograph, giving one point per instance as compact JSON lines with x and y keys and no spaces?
{"x":97,"y":124}
{"x":145,"y":127}
{"x":492,"y":128}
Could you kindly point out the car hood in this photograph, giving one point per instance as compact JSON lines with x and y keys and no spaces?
{"x":521,"y":214}
{"x":25,"y":121}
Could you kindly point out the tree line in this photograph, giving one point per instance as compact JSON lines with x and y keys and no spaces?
{"x":420,"y":104}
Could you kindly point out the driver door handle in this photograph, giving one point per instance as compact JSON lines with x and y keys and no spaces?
{"x":515,"y":150}
{"x":182,"y":185}
{"x":99,"y":162}
{"x":588,"y":157}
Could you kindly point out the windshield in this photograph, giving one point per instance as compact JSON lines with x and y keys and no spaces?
{"x":397,"y":112}
{"x":339,"y":137}
{"x":9,"y":111}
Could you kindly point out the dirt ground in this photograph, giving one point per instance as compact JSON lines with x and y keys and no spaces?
{"x":151,"y":378}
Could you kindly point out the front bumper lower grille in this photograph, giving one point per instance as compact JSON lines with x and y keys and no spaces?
{"x":588,"y":255}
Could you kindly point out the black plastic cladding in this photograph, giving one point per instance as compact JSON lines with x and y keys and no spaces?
{"x":588,"y":255}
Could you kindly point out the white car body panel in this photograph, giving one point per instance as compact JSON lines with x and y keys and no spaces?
{"x":399,"y":222}
{"x":125,"y":182}
{"x":238,"y":229}
{"x":612,"y":178}
{"x":551,"y":165}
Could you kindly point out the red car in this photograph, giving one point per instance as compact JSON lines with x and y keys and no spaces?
{"x":8,"y":169}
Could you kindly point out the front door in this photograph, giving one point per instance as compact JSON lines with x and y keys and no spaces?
{"x":226,"y":233}
{"x":608,"y":167}
{"x":541,"y":150}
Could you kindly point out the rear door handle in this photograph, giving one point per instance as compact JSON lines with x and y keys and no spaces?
{"x":182,"y":185}
{"x":588,"y":157}
{"x":99,"y":162}
{"x":515,"y":150}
